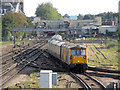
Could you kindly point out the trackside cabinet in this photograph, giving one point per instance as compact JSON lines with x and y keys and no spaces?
{"x":54,"y":78}
{"x":46,"y":79}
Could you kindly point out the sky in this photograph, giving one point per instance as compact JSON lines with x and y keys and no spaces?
{"x":74,"y":7}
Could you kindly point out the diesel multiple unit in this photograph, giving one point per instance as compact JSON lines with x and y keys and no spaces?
{"x":73,"y":55}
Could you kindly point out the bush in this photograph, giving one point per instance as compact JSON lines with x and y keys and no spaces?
{"x":118,"y":50}
{"x":111,"y":45}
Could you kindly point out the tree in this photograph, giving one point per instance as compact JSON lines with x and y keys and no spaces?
{"x":108,"y":16}
{"x":7,"y":24}
{"x":9,"y":20}
{"x":88,"y":16}
{"x":79,"y":17}
{"x":47,"y":12}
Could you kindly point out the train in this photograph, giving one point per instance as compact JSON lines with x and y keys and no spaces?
{"x":73,"y":55}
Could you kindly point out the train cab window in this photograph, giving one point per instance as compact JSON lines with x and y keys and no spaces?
{"x":73,"y":52}
{"x":78,"y":52}
{"x":82,"y":52}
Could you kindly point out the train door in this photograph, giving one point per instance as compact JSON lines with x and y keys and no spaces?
{"x":67,"y":56}
{"x":70,"y":57}
{"x":64,"y":54}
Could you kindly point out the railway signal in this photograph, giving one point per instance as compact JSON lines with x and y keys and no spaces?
{"x":44,"y":24}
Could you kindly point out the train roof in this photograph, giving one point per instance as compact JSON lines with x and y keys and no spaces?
{"x":72,"y":45}
{"x":57,"y":37}
{"x":66,"y":44}
{"x":57,"y":42}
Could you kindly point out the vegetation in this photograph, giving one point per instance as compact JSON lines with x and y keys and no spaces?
{"x":47,"y":12}
{"x":18,"y":42}
{"x":32,"y":81}
{"x":88,"y":16}
{"x":80,"y":17}
{"x":106,"y":16}
{"x":10,"y":20}
{"x":110,"y":49}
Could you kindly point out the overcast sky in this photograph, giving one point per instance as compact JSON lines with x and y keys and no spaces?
{"x":74,"y":7}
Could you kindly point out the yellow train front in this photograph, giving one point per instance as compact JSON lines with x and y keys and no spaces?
{"x":73,"y":55}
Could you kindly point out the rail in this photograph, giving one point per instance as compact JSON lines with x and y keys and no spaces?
{"x":85,"y":84}
{"x":81,"y":81}
{"x":28,"y":60}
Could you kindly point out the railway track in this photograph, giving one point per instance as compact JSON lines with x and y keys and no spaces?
{"x":96,"y":56}
{"x":100,"y":52}
{"x":93,"y":68}
{"x":97,"y":52}
{"x":87,"y":81}
{"x":15,"y":51}
{"x":9,"y":62}
{"x":49,"y":63}
{"x":27,"y":57}
{"x":18,"y":49}
{"x":95,"y":71}
{"x":101,"y":74}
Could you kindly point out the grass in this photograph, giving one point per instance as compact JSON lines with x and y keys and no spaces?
{"x":33,"y":81}
{"x":18,"y":42}
{"x":112,"y":58}
{"x":110,"y":50}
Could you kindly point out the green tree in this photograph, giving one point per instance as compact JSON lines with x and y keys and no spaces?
{"x":11,"y":19}
{"x":79,"y":17}
{"x":47,"y":12}
{"x":88,"y":16}
{"x":29,"y":22}
{"x":108,"y":16}
{"x":7,"y":24}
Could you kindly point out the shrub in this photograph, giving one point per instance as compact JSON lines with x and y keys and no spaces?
{"x":118,"y":50}
{"x":111,"y":45}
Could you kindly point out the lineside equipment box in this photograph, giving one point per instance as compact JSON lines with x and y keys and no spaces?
{"x":46,"y":79}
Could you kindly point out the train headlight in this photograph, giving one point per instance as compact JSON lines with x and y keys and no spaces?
{"x":84,"y":57}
